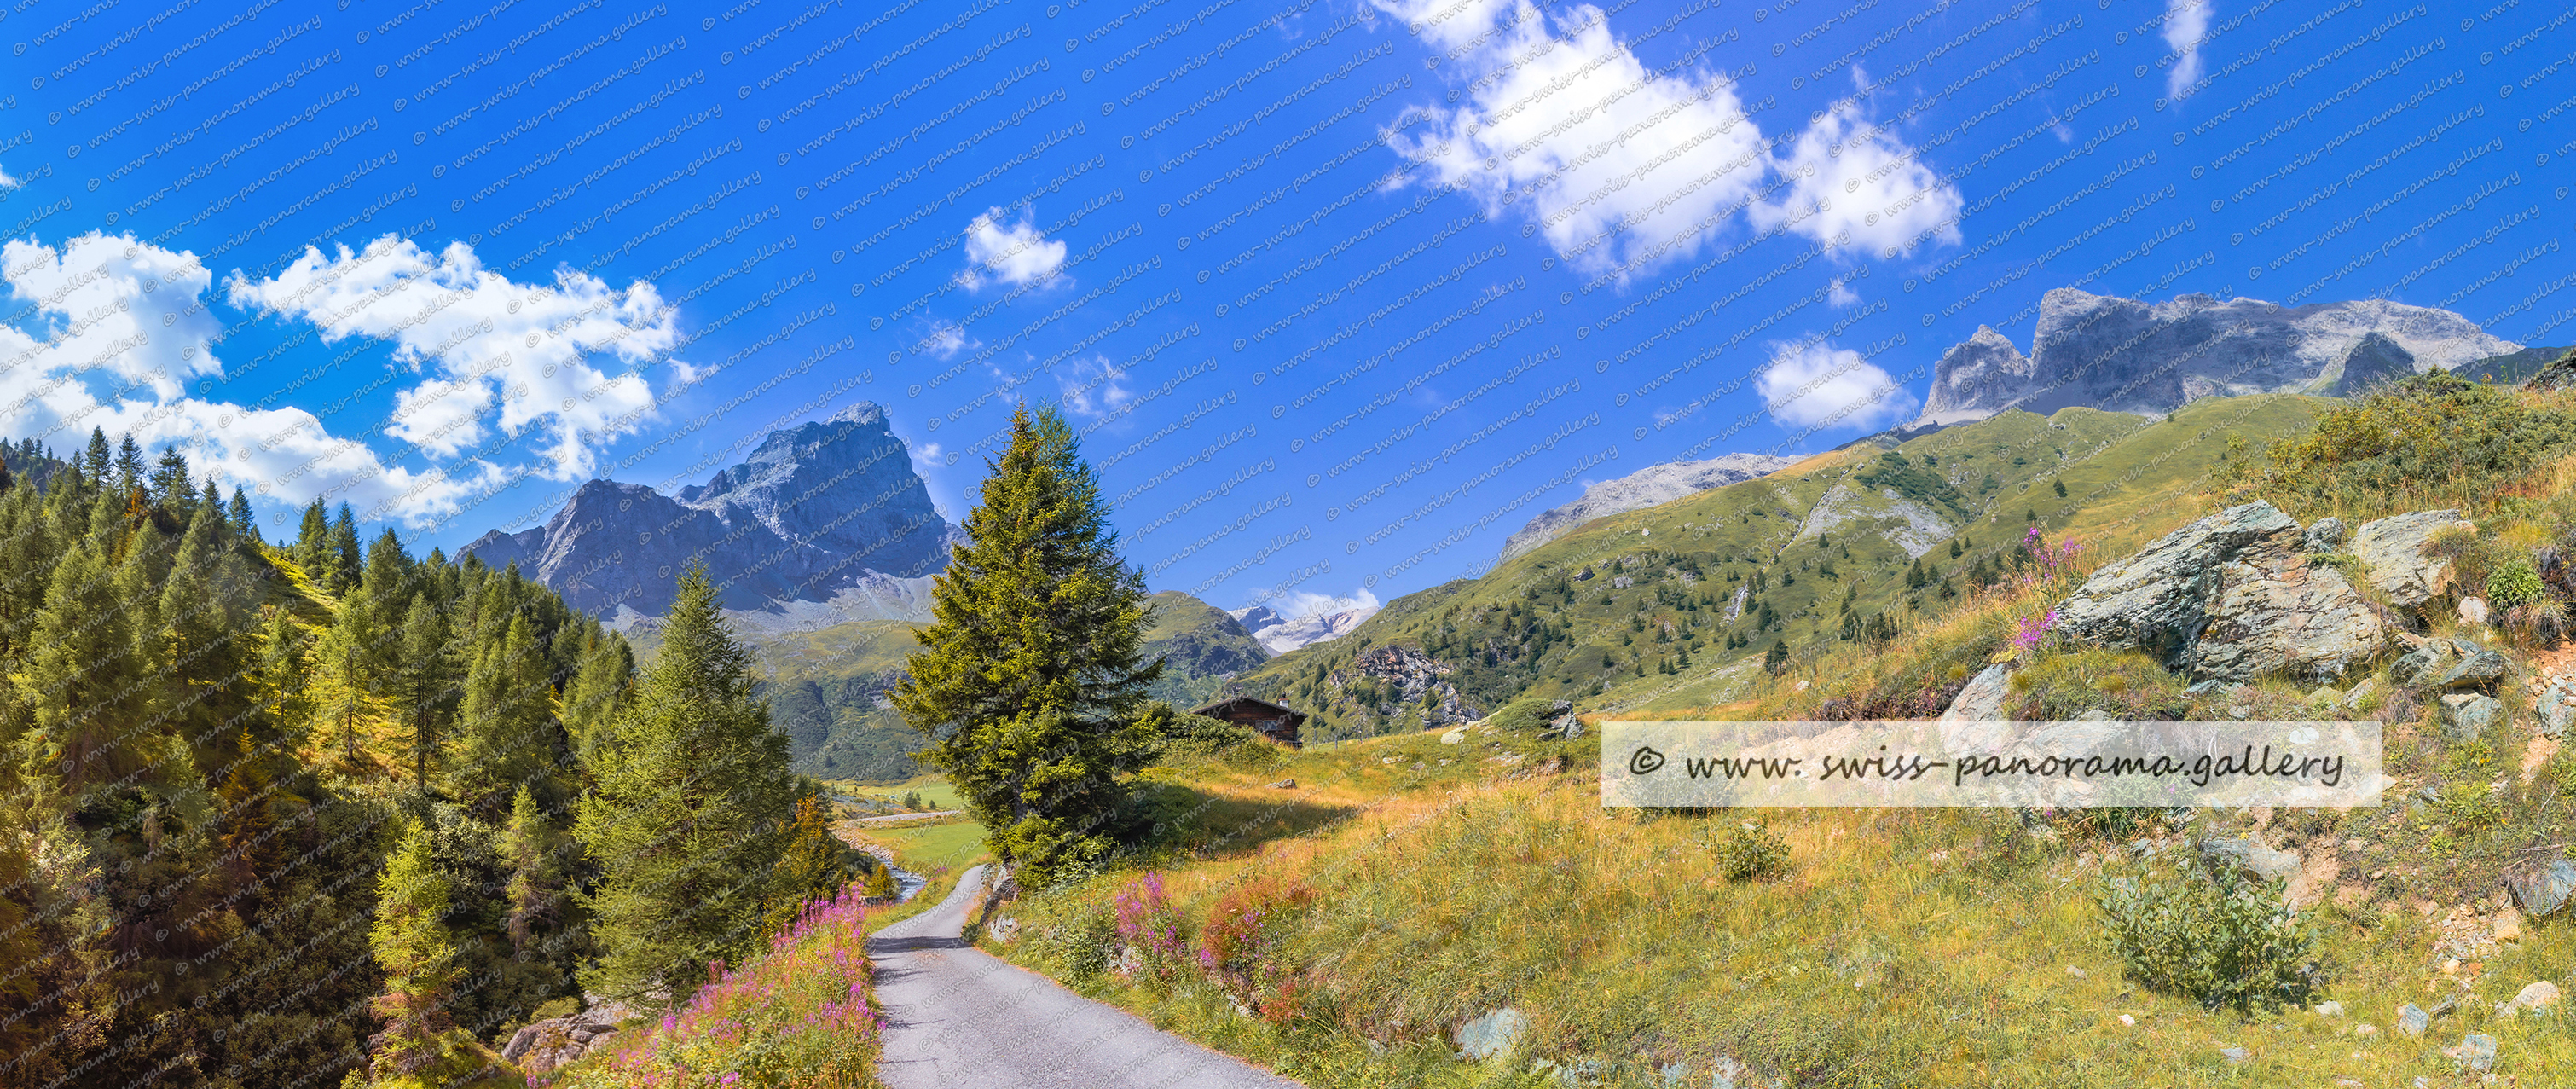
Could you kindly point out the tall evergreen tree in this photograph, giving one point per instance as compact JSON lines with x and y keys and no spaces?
{"x":1031,"y":686}
{"x":417,"y":954}
{"x":129,"y":463}
{"x":239,"y":513}
{"x":345,"y":561}
{"x":423,"y":682}
{"x":689,"y":814}
{"x":313,"y":543}
{"x":170,"y":485}
{"x":505,"y":739}
{"x":95,"y":461}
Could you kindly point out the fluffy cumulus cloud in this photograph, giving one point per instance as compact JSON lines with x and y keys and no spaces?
{"x":1818,"y":385}
{"x":2186,"y":21}
{"x":1617,"y":165}
{"x":494,"y":353}
{"x":1625,"y":167}
{"x":1016,"y":253}
{"x":117,"y":331}
{"x":1855,"y":186}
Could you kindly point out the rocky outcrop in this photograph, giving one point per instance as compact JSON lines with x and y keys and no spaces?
{"x":2250,"y":855}
{"x":2230,"y":597}
{"x":1403,"y":676}
{"x":1976,"y":378}
{"x":2541,"y":885}
{"x":1982,"y":700}
{"x":828,"y":512}
{"x":2393,"y":551}
{"x":547,"y":1045}
{"x":2121,"y":355}
{"x":1651,"y":486}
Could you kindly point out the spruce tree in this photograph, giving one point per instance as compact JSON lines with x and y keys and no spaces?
{"x":815,"y":867}
{"x":313,"y":544}
{"x":95,"y":461}
{"x":238,"y":512}
{"x":1776,"y":658}
{"x":505,"y":737}
{"x":344,"y":560}
{"x":690,"y":811}
{"x":1031,"y":689}
{"x":423,"y":682}
{"x":129,"y":464}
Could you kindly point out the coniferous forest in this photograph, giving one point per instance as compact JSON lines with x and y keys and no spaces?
{"x":280,"y":813}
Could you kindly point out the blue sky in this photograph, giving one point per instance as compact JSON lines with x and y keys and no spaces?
{"x":1340,"y":293}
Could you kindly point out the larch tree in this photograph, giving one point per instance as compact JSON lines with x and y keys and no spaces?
{"x":1031,"y":689}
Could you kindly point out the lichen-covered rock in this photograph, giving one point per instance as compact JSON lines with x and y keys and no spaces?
{"x":2231,"y":597}
{"x":546,"y":1045}
{"x":2325,"y":535}
{"x":2251,"y":855}
{"x":2393,"y":551}
{"x":2541,"y":885}
{"x":2482,"y":670}
{"x":2557,"y":706}
{"x":2467,"y":716}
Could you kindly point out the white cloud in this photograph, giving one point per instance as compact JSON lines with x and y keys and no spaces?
{"x":1093,"y":387}
{"x":1842,"y":295}
{"x":7,"y":181}
{"x":2185,"y":23}
{"x":1617,"y":164}
{"x":482,"y":337}
{"x":946,"y":340}
{"x":104,"y":358}
{"x":1813,"y":384}
{"x":1014,"y":254}
{"x":1858,"y":188}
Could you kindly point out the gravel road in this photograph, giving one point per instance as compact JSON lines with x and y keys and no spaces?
{"x":958,"y":1018}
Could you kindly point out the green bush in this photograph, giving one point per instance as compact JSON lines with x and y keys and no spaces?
{"x":1082,"y":943}
{"x":2220,"y":940}
{"x":1751,"y":852}
{"x":2514,"y":582}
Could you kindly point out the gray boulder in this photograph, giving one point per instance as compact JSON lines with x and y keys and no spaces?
{"x":2249,"y":854}
{"x":2557,"y":706}
{"x":1490,"y":1035}
{"x":2466,"y":716}
{"x":2229,"y":597}
{"x":2481,"y":670}
{"x":2541,"y":885}
{"x":2325,"y":535}
{"x":2476,"y":1053}
{"x":2392,"y":550}
{"x":1983,"y":698}
{"x":2425,"y":663}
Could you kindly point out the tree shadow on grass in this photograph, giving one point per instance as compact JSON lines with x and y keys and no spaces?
{"x":1184,"y":819}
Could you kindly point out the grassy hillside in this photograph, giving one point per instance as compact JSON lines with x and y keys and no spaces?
{"x":1676,"y":605}
{"x":1201,"y":646}
{"x":1345,"y":928}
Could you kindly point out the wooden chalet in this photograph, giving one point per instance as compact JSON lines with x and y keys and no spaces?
{"x":1263,"y":717}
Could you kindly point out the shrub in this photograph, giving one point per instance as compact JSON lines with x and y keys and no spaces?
{"x":1751,"y":852}
{"x":2514,"y":582}
{"x":1149,"y":922}
{"x":1081,"y":944}
{"x":2219,"y":940}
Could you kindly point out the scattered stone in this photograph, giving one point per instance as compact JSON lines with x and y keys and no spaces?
{"x":1455,"y":737}
{"x":2125,"y":1019}
{"x":2507,"y":926}
{"x":2325,"y":535}
{"x":2330,"y":1008}
{"x":1284,"y":784}
{"x":2235,"y":1054}
{"x":1389,"y":759}
{"x":2537,"y":997}
{"x":2359,"y":698}
{"x":1490,"y":1035}
{"x":2077,"y":972}
{"x":2365,"y":1029}
{"x":547,"y":1045}
{"x":2230,"y":597}
{"x":2541,"y":885}
{"x":2466,"y":717}
{"x":2423,"y":663}
{"x":2476,"y":1053}
{"x":2473,"y":610}
{"x":2392,"y":551}
{"x":2250,"y":854}
{"x":2412,"y":1021}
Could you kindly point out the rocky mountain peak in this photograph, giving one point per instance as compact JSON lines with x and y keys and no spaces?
{"x":1651,"y":486}
{"x":820,"y":514}
{"x":2123,"y":355}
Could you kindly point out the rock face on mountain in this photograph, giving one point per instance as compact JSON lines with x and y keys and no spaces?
{"x":1282,"y":634}
{"x":1651,"y":486}
{"x":824,"y":517}
{"x":1974,"y":377}
{"x":1200,"y":645}
{"x":2112,"y":353}
{"x":2232,"y":597}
